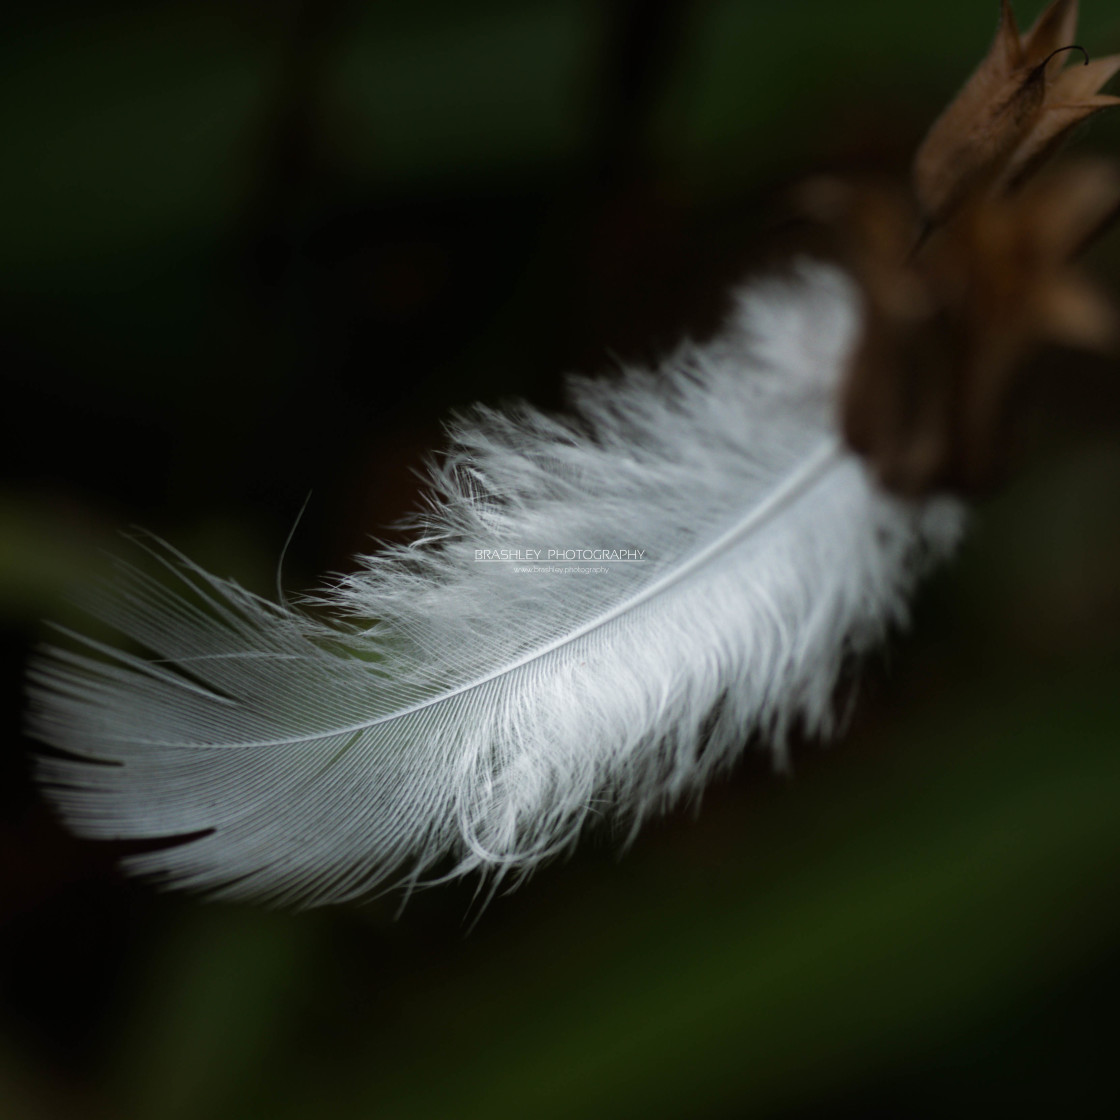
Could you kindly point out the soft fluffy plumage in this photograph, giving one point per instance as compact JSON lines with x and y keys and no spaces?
{"x":463,"y":715}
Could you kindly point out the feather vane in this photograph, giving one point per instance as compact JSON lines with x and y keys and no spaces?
{"x":451,"y":715}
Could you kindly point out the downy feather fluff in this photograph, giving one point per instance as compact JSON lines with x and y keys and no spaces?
{"x":455,"y":715}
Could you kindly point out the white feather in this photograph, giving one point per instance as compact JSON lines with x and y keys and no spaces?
{"x":467,"y":715}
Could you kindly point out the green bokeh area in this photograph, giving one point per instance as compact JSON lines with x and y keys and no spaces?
{"x":253,"y":251}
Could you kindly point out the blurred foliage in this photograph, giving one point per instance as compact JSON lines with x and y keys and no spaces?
{"x":249,"y":250}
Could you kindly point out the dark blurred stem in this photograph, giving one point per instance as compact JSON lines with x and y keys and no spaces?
{"x":641,"y":45}
{"x":290,"y":164}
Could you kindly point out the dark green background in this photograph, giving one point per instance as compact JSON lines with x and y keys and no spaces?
{"x":249,"y":251}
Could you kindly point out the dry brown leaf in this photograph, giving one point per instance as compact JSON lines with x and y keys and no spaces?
{"x":1011,"y":114}
{"x":1069,"y":100}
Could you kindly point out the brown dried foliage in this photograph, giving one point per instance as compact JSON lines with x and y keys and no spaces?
{"x":1015,"y":110}
{"x":968,"y":268}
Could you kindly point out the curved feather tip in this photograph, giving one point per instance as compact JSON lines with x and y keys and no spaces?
{"x":595,"y":616}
